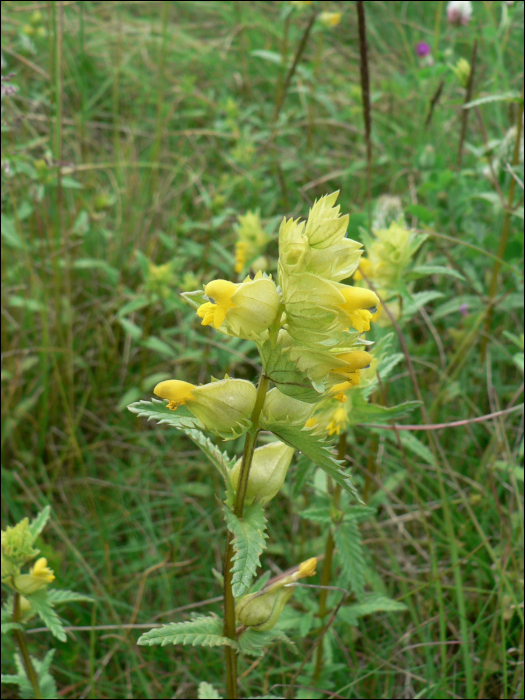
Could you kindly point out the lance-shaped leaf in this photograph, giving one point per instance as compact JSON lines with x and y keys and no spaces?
{"x":283,"y":372}
{"x":202,"y":631}
{"x":372,"y":603}
{"x":38,"y":524}
{"x":158,"y":410}
{"x":249,"y":534}
{"x":316,"y":448}
{"x":350,"y":554}
{"x":57,"y":595}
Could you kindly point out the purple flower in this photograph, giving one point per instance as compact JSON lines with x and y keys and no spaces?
{"x":422,"y":49}
{"x":463,"y":309}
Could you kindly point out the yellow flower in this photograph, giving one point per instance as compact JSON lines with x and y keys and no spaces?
{"x":241,"y":254}
{"x":223,"y":407}
{"x":354,"y":361}
{"x":338,"y":422}
{"x":219,"y":293}
{"x":364,"y":266}
{"x":40,"y":575}
{"x":242,"y":310}
{"x":330,"y":19}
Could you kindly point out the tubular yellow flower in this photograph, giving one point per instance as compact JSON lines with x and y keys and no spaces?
{"x":244,"y":309}
{"x":221,"y":406}
{"x":357,"y":298}
{"x":219,"y":293}
{"x":338,"y":391}
{"x":40,"y":575}
{"x":354,"y":361}
{"x":360,"y":320}
{"x":175,"y":391}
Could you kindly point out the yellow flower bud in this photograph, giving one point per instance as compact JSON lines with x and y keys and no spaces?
{"x":222,"y":407}
{"x":40,"y":575}
{"x":338,"y":421}
{"x":267,"y":473}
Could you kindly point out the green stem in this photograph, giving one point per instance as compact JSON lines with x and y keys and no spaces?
{"x":365,"y":93}
{"x":504,"y":234}
{"x":229,"y":602}
{"x":19,"y":636}
{"x":327,"y":564}
{"x":468,"y":98}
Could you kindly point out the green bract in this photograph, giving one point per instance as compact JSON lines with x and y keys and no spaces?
{"x":267,"y":474}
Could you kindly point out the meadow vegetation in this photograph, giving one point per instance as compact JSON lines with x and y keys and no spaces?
{"x":150,"y":148}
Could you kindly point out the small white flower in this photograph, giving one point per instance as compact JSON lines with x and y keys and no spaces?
{"x":459,"y":12}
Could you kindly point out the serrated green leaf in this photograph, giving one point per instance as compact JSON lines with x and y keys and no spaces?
{"x":43,"y":607}
{"x":39,"y":523}
{"x":249,"y":543}
{"x":219,"y":459}
{"x":207,"y":692}
{"x":255,"y":643}
{"x":319,"y":514}
{"x":8,"y":626}
{"x":347,"y":539}
{"x":363,"y":412}
{"x":10,"y":678}
{"x":57,"y":595}
{"x":359,"y":513}
{"x":46,"y":683}
{"x":283,"y":372}
{"x":204,"y":631}
{"x":423,"y":270}
{"x":316,"y":448}
{"x":158,"y":410}
{"x":372,"y":603}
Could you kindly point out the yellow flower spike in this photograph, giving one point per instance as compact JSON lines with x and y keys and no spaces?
{"x":40,"y":575}
{"x":175,"y":391}
{"x":219,"y":293}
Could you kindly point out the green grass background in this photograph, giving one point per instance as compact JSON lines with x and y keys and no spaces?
{"x":149,"y":127}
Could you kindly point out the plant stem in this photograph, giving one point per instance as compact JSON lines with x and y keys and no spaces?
{"x":365,"y":92}
{"x":229,"y":602}
{"x":468,"y":98}
{"x":20,"y":639}
{"x":298,"y":55}
{"x":504,"y":234}
{"x":327,"y":563}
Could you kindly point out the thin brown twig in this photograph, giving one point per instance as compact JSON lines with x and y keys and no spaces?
{"x":440,"y":426}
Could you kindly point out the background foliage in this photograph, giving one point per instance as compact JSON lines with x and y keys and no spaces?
{"x":139,"y":132}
